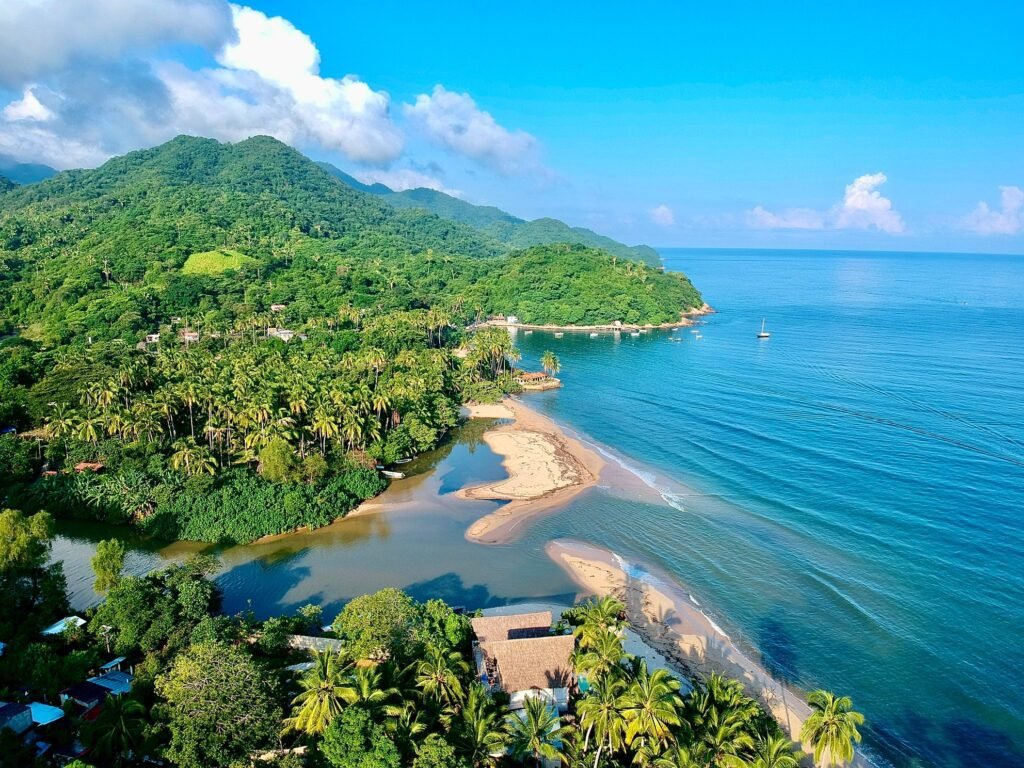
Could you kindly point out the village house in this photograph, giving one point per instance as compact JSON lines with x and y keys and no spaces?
{"x":278,"y":307}
{"x":152,"y":338}
{"x":15,"y":717}
{"x":518,"y":655}
{"x":280,"y":333}
{"x":189,"y":337}
{"x":535,"y":380}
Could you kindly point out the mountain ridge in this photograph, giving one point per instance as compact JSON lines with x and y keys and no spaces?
{"x":515,"y":232}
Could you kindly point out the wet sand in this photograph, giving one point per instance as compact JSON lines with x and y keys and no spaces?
{"x":545,"y":466}
{"x":669,"y":621}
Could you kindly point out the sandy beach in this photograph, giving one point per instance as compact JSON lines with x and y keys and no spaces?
{"x":545,"y":466}
{"x":668,"y":620}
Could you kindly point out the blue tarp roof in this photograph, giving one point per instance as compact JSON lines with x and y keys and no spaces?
{"x":113,"y":663}
{"x":115,"y":682}
{"x":58,"y":627}
{"x":44,"y":714}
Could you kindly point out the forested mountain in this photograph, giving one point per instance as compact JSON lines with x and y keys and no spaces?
{"x":24,"y":173}
{"x":6,"y":184}
{"x":116,"y":251}
{"x":498,"y":225}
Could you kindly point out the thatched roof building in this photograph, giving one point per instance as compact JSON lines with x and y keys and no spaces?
{"x":536,"y":663}
{"x":517,"y":626}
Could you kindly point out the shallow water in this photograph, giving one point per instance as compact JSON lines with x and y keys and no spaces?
{"x":844,"y":497}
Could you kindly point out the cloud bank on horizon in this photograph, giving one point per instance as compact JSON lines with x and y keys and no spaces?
{"x":862,"y":207}
{"x":81,"y":82}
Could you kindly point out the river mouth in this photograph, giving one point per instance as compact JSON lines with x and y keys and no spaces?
{"x":411,"y":537}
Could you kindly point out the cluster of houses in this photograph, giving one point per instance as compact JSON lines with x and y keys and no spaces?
{"x":35,"y":721}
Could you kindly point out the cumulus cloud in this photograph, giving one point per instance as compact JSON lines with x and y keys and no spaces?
{"x":400,"y":179}
{"x":43,"y":37}
{"x":28,"y":107}
{"x":267,"y":82}
{"x":454,"y":121}
{"x":862,"y":207}
{"x":791,"y":218}
{"x":1008,"y":220}
{"x":662,"y":215}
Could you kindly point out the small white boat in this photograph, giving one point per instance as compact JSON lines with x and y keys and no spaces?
{"x":699,"y":336}
{"x":559,"y":335}
{"x":763,"y":334}
{"x":404,"y":461}
{"x":634,"y":333}
{"x":694,"y":331}
{"x":390,"y":475}
{"x":593,"y":335}
{"x":643,"y":330}
{"x":527,"y":331}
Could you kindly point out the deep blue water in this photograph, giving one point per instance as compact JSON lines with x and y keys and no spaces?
{"x":853,"y":487}
{"x":845,"y":498}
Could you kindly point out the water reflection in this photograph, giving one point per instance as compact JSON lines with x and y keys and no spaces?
{"x":412,"y":537}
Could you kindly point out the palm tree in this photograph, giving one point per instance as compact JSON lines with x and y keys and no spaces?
{"x":601,"y":654}
{"x":439,"y":674}
{"x":365,"y":687}
{"x":723,"y":734}
{"x":481,"y":733}
{"x":192,"y":459}
{"x":651,"y":706}
{"x":535,"y":731}
{"x":550,"y":363}
{"x":605,"y":611}
{"x":601,"y":717}
{"x":118,"y":730}
{"x":773,"y":752}
{"x":832,"y":727}
{"x":322,"y":695}
{"x":680,"y":756}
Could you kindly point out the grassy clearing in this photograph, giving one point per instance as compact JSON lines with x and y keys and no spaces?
{"x":216,"y":262}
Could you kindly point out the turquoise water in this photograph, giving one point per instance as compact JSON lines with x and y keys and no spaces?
{"x":844,"y":498}
{"x":852,"y":487}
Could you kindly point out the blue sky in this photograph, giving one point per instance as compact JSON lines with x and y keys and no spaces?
{"x":882,"y":126}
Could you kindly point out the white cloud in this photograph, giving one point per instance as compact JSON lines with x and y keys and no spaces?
{"x":1008,"y":220}
{"x":662,"y":215}
{"x":791,"y":218}
{"x":862,"y":207}
{"x":28,"y":107}
{"x":454,"y":121}
{"x":42,"y":37}
{"x":267,"y":82}
{"x":400,"y":179}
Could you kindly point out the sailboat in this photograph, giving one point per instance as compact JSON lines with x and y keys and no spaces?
{"x":763,"y":334}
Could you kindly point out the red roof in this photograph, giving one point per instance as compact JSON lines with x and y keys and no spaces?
{"x":91,"y":466}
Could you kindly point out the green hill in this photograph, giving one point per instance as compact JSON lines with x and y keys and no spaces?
{"x":117,"y":251}
{"x":498,"y":225}
{"x":6,"y":184}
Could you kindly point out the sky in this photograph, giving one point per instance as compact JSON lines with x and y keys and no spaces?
{"x":882,"y":126}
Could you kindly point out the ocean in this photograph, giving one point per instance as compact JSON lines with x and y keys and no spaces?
{"x":844,"y":498}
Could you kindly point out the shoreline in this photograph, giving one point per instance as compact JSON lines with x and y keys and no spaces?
{"x":671,"y":622}
{"x":686,"y":319}
{"x":545,"y":466}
